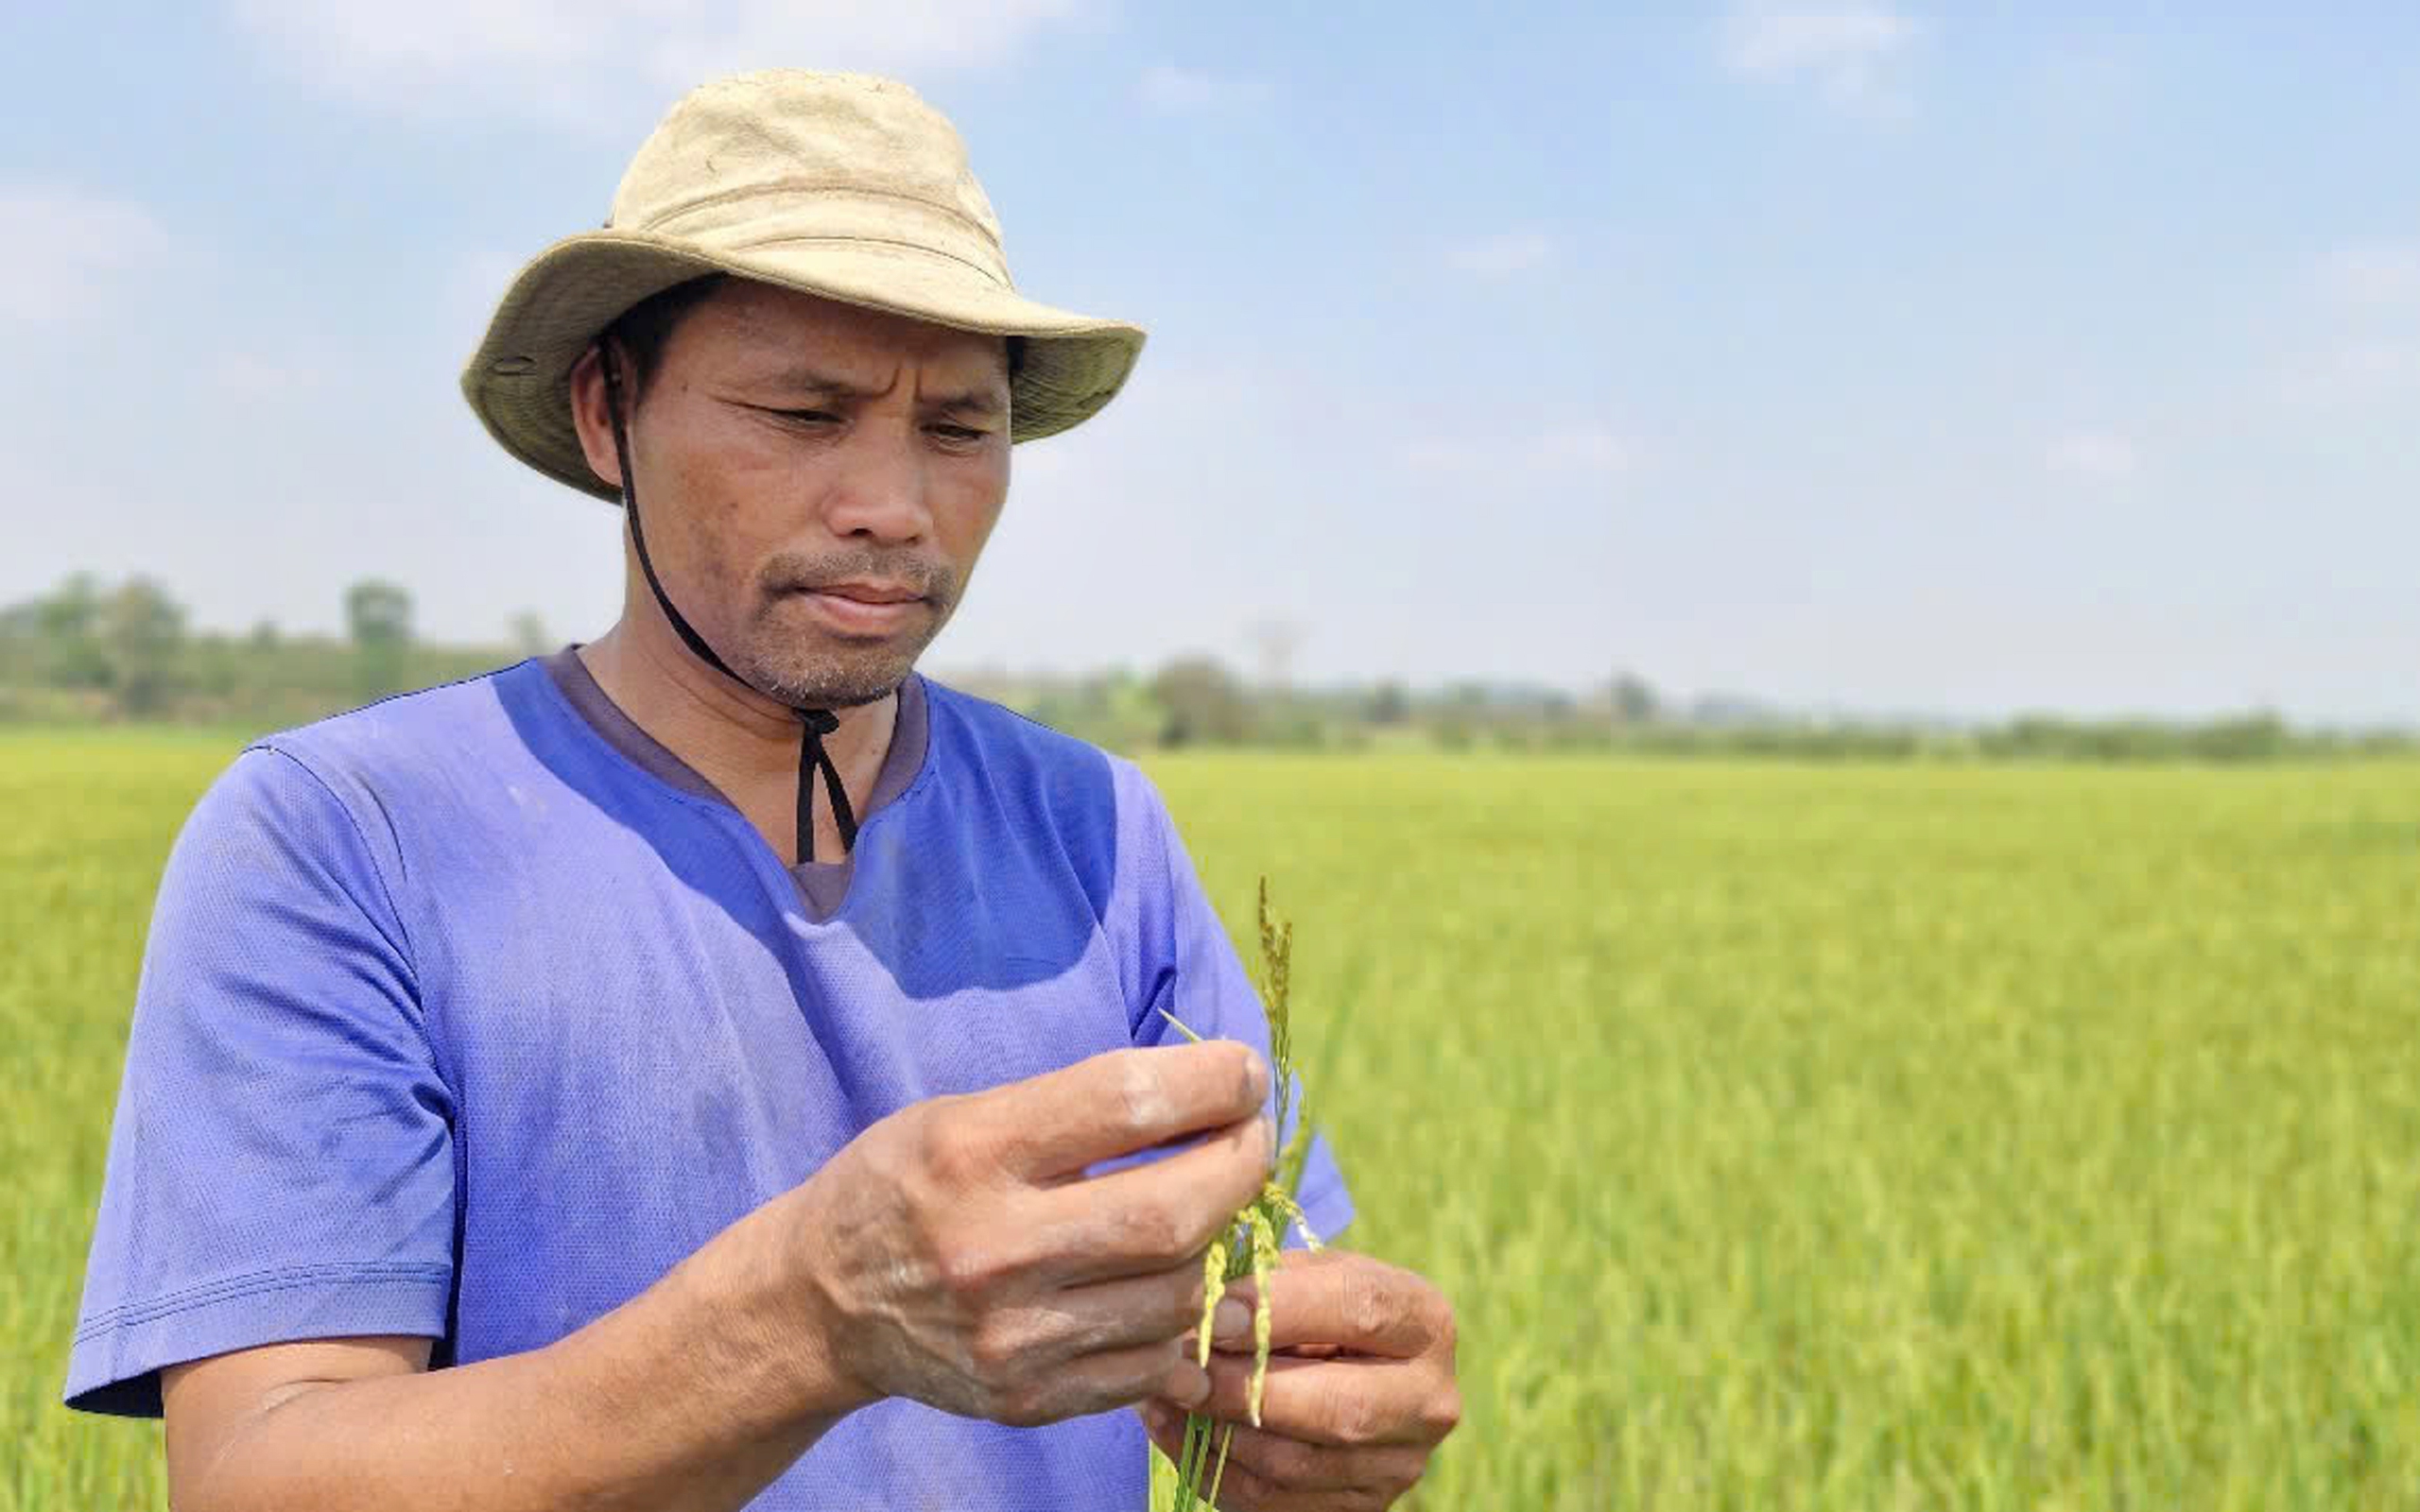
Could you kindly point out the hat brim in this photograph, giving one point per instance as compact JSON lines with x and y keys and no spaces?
{"x":519,"y":380}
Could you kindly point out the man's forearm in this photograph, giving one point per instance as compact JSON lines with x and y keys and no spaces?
{"x":690,"y":1398}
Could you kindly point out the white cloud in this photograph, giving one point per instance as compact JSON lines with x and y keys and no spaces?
{"x":1185,"y":91}
{"x":2373,"y":275}
{"x":2351,"y":372}
{"x":2359,"y":343}
{"x":1505,"y":253}
{"x":1579,"y":449}
{"x":1851,"y":52}
{"x":2096,"y":457}
{"x":554,"y":56}
{"x":62,"y":251}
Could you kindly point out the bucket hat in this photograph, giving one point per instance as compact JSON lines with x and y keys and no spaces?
{"x":843,"y":185}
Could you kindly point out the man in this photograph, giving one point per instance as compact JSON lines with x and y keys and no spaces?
{"x":736,"y":1061}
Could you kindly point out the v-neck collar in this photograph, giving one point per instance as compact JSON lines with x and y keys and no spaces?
{"x":822,"y":884}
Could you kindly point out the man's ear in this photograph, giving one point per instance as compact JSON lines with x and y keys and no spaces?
{"x":592,"y":420}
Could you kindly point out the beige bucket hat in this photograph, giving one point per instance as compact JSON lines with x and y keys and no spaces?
{"x":843,"y":185}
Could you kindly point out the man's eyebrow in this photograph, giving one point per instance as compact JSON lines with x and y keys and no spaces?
{"x":968,"y":402}
{"x":980,"y":400}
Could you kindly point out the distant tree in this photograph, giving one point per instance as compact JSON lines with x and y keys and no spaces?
{"x":529,"y":634}
{"x":2261,"y":736}
{"x":1390,"y":704}
{"x":378,"y":619}
{"x":69,"y":623}
{"x":265,"y":636}
{"x":1201,"y":703}
{"x":142,"y":630}
{"x":24,"y":662}
{"x":1635,"y":700}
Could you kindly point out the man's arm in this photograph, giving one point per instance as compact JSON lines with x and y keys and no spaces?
{"x":691,"y":1397}
{"x":954,"y":1253}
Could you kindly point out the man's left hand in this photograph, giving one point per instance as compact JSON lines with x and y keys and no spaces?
{"x":1360,"y":1387}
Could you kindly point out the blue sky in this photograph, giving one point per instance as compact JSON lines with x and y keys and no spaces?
{"x":1965,"y":359}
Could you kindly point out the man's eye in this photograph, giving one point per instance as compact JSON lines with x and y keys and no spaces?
{"x":960,"y":434}
{"x":809,"y":417}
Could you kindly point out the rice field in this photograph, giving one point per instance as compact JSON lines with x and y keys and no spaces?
{"x":1868,"y":1137}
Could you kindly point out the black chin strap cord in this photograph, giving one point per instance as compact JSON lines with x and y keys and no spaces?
{"x":814,"y":724}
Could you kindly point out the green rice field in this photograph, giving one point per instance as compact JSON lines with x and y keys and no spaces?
{"x":1789,"y":1137}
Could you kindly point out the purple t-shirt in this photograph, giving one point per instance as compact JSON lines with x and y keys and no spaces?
{"x":469,"y":1014}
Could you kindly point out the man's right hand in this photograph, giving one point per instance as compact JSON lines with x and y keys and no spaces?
{"x":956,"y":1253}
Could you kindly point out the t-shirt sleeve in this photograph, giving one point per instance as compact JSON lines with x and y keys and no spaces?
{"x":281,"y":1160}
{"x":1196,"y":975}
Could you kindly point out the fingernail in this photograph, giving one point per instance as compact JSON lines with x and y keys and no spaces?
{"x":1259,"y":1076}
{"x":1231,"y":1322}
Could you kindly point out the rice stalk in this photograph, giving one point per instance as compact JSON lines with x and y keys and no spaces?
{"x":1251,"y":1242}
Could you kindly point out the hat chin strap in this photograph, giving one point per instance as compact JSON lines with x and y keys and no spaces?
{"x":814,"y":724}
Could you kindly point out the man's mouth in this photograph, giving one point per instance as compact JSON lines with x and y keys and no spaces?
{"x":863,"y":607}
{"x":865,"y":592}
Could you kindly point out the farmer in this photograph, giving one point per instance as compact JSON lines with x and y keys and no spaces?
{"x":717,"y":1047}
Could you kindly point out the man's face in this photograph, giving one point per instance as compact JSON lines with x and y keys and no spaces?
{"x":816,"y":481}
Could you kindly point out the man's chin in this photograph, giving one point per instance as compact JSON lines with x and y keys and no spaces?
{"x":841,"y":677}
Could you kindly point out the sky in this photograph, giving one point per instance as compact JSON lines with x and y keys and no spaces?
{"x":1956,"y":359}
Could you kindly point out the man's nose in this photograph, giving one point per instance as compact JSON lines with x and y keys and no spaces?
{"x":879,"y":495}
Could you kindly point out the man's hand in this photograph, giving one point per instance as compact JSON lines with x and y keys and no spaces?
{"x":1360,"y":1387}
{"x":956,"y":1253}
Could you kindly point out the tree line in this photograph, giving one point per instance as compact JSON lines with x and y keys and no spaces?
{"x":1198,"y":701}
{"x":89,"y":650}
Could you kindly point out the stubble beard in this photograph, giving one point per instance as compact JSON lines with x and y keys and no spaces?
{"x":808,"y":677}
{"x":813,"y":670}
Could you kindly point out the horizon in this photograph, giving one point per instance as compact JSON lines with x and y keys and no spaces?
{"x":1680,"y":705}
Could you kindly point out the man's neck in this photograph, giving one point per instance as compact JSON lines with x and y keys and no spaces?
{"x":744,"y":743}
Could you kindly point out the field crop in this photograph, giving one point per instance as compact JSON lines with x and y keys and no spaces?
{"x":1870,"y":1137}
